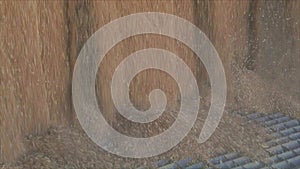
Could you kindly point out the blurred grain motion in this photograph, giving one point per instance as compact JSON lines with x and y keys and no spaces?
{"x":40,"y":41}
{"x":35,"y":71}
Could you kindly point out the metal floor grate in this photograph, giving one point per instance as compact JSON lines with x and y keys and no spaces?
{"x":284,"y":148}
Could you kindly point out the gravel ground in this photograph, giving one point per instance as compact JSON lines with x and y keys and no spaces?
{"x":72,"y":148}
